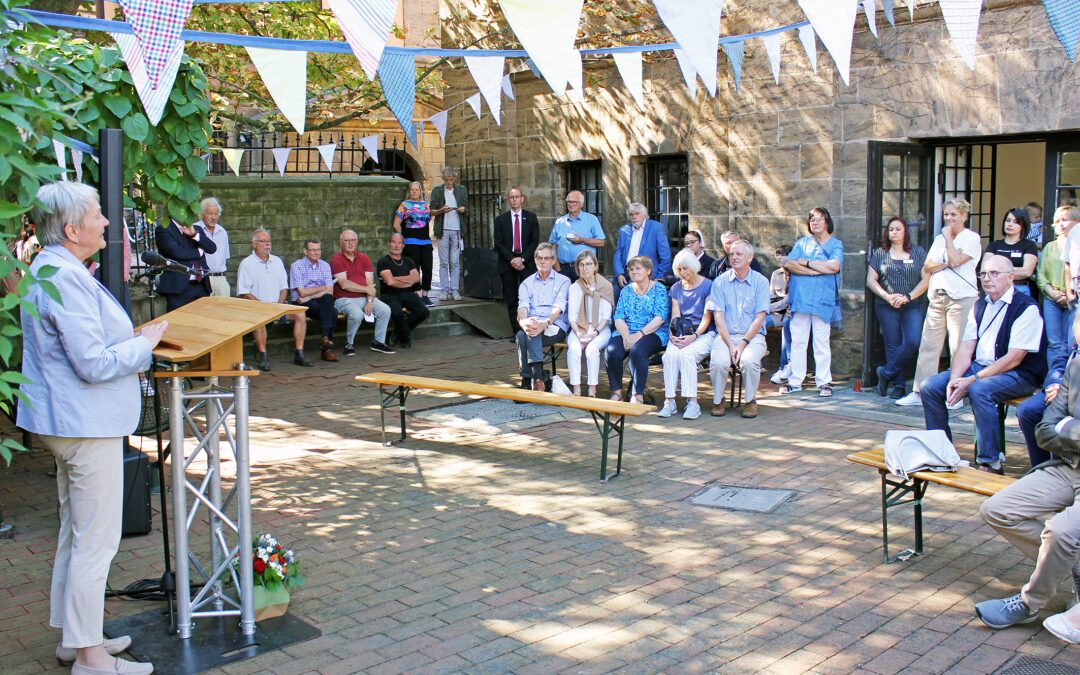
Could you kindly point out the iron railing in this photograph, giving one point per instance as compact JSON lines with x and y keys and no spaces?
{"x":350,"y":157}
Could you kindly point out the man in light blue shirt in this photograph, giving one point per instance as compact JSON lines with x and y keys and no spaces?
{"x":739,"y":301}
{"x":541,"y":313}
{"x":573,"y":233}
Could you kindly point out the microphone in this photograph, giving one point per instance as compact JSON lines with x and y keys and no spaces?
{"x":159,"y":261}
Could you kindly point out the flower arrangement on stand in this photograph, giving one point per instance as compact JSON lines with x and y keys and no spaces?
{"x":276,"y":572}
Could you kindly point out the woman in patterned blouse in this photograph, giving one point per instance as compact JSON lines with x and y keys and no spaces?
{"x":411,"y":220}
{"x":641,"y":317}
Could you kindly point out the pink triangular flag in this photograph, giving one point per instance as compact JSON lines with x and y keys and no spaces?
{"x":327,"y":152}
{"x":371,"y":146}
{"x":281,"y":159}
{"x":157,"y":25}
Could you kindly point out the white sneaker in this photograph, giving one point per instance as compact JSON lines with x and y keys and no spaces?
{"x":669,"y":409}
{"x":911,"y":399}
{"x":455,"y":295}
{"x":692,"y":412}
{"x":781,"y":375}
{"x":443,"y":296}
{"x":955,"y":406}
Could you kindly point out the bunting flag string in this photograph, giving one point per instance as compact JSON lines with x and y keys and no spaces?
{"x":870,"y":8}
{"x":809,"y":42}
{"x":487,"y":73}
{"x":327,"y":153}
{"x":232,"y":157}
{"x":285,"y":76}
{"x":696,"y":27}
{"x":366,"y":26}
{"x":153,"y":98}
{"x":438,"y":120}
{"x":887,"y":7}
{"x":547,"y":31}
{"x":508,"y":87}
{"x":281,"y":159}
{"x":397,"y":72}
{"x":474,"y":102}
{"x":157,"y":24}
{"x":962,"y":21}
{"x":834,"y":22}
{"x":629,"y":66}
{"x":1065,"y":20}
{"x":772,"y":49}
{"x":371,"y":145}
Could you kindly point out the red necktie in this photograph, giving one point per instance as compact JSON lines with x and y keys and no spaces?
{"x":517,"y":232}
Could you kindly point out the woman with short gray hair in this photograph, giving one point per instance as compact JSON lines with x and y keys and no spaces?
{"x":691,"y":335}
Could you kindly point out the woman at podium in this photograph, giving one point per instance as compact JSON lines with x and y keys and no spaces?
{"x":83,"y":358}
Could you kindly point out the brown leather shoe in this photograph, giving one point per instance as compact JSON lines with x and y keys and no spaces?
{"x":325,"y":343}
{"x":328,"y":355}
{"x":749,"y":409}
{"x":719,"y":409}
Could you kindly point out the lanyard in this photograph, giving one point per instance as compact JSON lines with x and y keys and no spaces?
{"x":978,"y":335}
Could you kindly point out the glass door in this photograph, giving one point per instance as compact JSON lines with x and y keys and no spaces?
{"x":899,"y":184}
{"x":1062,"y":177}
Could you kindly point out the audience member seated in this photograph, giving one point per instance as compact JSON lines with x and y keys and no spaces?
{"x":592,"y":300}
{"x":1002,"y":356}
{"x":641,"y":317}
{"x":354,"y":294}
{"x":691,"y":335}
{"x":1030,"y":412}
{"x":739,"y":301}
{"x":542,"y":300}
{"x":1048,"y":491}
{"x":399,"y":279}
{"x":313,"y":286}
{"x":721,"y":265}
{"x":261,"y":276}
{"x":779,"y":316}
{"x":640,"y":236}
{"x":695,"y":244}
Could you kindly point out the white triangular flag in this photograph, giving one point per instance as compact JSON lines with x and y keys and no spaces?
{"x":834,"y":21}
{"x":438,"y":120}
{"x":911,"y":4}
{"x":962,"y":20}
{"x":327,"y":152}
{"x":232,"y":156}
{"x":696,"y":27}
{"x":507,"y":87}
{"x":629,"y":65}
{"x":870,"y":8}
{"x":76,"y":161}
{"x":153,"y":100}
{"x":371,"y":146}
{"x":809,"y":43}
{"x":772,"y":48}
{"x":474,"y":102}
{"x":689,"y":72}
{"x":487,"y":73}
{"x":285,"y":75}
{"x":887,"y":7}
{"x":61,"y":156}
{"x":547,"y":31}
{"x":576,"y":75}
{"x":281,"y":158}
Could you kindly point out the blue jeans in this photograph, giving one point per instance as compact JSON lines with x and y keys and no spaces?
{"x":531,"y":352}
{"x":1058,"y":323}
{"x":1030,"y":413}
{"x":785,"y":337}
{"x":902,"y":330}
{"x":984,"y":395}
{"x":639,"y":355}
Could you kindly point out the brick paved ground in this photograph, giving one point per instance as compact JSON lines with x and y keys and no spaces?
{"x":466,"y":553}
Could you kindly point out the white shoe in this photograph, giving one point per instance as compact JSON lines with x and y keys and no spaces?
{"x":66,"y":655}
{"x":781,"y":375}
{"x":692,"y":412}
{"x":1057,"y":625}
{"x":455,"y":295}
{"x":443,"y":296}
{"x":911,"y":399}
{"x":669,"y":408}
{"x":955,"y":406}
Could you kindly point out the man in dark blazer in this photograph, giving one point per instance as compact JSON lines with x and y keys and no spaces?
{"x":187,"y":246}
{"x":517,"y":232}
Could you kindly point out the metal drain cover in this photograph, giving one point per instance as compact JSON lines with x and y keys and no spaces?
{"x":1028,"y":665}
{"x":758,"y":500}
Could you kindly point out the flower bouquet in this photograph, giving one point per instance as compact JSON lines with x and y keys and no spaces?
{"x":276,"y":572}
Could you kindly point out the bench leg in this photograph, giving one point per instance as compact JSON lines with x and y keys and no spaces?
{"x":388,"y":399}
{"x":894,"y":493}
{"x":606,"y":428}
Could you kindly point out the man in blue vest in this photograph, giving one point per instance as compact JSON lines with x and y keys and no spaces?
{"x":1002,"y":356}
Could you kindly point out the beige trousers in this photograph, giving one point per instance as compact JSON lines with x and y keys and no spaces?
{"x":1054,"y":546}
{"x":90,"y":480}
{"x":749,"y":363}
{"x":944,"y":316}
{"x":219,"y":287}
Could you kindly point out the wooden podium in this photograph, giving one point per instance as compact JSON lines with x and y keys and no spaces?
{"x":205,"y":339}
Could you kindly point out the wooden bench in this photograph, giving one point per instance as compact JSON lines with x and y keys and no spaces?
{"x":609,"y":416}
{"x":895,"y":492}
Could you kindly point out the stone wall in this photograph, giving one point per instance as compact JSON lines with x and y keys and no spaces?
{"x":761,"y":157}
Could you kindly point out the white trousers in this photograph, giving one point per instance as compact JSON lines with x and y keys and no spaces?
{"x":219,"y":287}
{"x":449,"y":261}
{"x":592,"y":356}
{"x":749,"y":365}
{"x":801,"y":326}
{"x":682,"y":364}
{"x":90,"y":482}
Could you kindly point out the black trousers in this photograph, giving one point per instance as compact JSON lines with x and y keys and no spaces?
{"x":322,"y":308}
{"x":406,"y":312}
{"x":420,"y":254}
{"x":511,"y":280}
{"x":192,"y":292}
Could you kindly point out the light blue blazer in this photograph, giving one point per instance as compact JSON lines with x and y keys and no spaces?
{"x":82,"y":357}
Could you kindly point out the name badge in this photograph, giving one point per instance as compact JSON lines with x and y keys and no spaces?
{"x":909,"y":261}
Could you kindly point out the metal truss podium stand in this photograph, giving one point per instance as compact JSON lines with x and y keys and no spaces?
{"x":205,"y":340}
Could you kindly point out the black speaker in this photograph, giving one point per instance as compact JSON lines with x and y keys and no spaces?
{"x":137,"y":519}
{"x":481,"y":274}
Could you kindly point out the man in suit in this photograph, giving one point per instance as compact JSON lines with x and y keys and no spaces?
{"x":1049,"y":489}
{"x":640,"y":236}
{"x":448,"y":204}
{"x":517,"y":232}
{"x":186,"y":245}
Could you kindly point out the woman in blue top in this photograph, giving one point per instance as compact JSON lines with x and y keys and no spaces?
{"x":692,"y":340}
{"x":641,"y":316}
{"x":813,"y":294}
{"x":411,"y":220}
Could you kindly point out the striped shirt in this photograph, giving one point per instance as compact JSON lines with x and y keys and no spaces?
{"x":899,"y":276}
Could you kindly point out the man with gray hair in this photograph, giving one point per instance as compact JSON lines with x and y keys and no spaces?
{"x":313,"y":286}
{"x":215,"y":262}
{"x":542,"y":301}
{"x":722,"y":264}
{"x":261,"y":276}
{"x":448,"y":205}
{"x":354,"y":294}
{"x":641,"y":236}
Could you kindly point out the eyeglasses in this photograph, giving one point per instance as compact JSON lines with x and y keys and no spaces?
{"x":586,"y":263}
{"x":545,"y":257}
{"x":691,"y":242}
{"x":991,"y":274}
{"x":574,"y":201}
